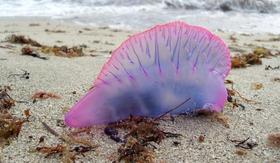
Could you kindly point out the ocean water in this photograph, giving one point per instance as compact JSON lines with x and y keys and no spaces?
{"x":250,"y":16}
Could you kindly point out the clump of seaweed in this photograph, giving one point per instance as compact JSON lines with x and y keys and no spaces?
{"x":6,"y":102}
{"x":134,"y":151}
{"x":41,"y":95}
{"x":262,"y":52}
{"x":274,"y":140}
{"x":254,"y":58}
{"x":10,"y":126}
{"x":137,"y":144}
{"x":64,"y":51}
{"x":69,"y":149}
{"x":20,"y":39}
{"x":245,"y":60}
{"x":31,"y":52}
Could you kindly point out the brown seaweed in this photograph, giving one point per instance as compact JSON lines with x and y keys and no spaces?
{"x":55,"y":31}
{"x":134,"y":151}
{"x":10,"y":126}
{"x":31,"y":52}
{"x":137,"y":143}
{"x":254,"y":58}
{"x":274,"y":139}
{"x":41,"y":95}
{"x":20,"y":39}
{"x":64,"y":51}
{"x":69,"y":149}
{"x":6,"y":102}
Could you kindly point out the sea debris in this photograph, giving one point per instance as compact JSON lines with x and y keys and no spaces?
{"x":262,"y":52}
{"x":86,"y":29}
{"x":245,"y":144}
{"x":24,"y":75}
{"x":64,"y":51}
{"x":176,"y":143}
{"x":7,"y":46}
{"x":137,"y":143}
{"x":34,"y":24}
{"x":233,"y":38}
{"x":201,"y":138}
{"x":254,"y":58}
{"x":221,"y":118}
{"x":96,"y":41}
{"x":274,"y":39}
{"x":268,"y":67}
{"x":6,"y":102}
{"x":21,"y":39}
{"x":41,"y":95}
{"x":51,"y":150}
{"x":108,"y":43}
{"x":31,"y":52}
{"x":274,"y":139}
{"x":69,"y":149}
{"x":10,"y":126}
{"x":276,"y":79}
{"x":113,"y":134}
{"x":27,"y":114}
{"x":257,"y":86}
{"x":134,"y":151}
{"x":245,"y":60}
{"x":238,"y":62}
{"x":241,"y":152}
{"x":232,"y":92}
{"x":55,"y":31}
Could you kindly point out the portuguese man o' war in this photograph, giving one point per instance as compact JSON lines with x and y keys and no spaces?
{"x":155,"y":71}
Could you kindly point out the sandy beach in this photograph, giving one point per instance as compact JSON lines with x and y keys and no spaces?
{"x":71,"y":78}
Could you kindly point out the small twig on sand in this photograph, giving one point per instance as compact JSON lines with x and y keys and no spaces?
{"x":35,"y":55}
{"x":50,"y":129}
{"x":3,"y":59}
{"x":235,"y":91}
{"x":30,"y":52}
{"x":244,"y":143}
{"x":157,"y":118}
{"x":25,"y":75}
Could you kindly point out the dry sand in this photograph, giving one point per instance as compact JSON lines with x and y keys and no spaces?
{"x":64,"y":75}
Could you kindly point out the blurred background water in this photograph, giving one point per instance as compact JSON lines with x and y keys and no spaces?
{"x":250,"y":16}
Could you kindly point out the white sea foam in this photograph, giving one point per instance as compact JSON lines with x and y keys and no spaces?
{"x":236,"y":15}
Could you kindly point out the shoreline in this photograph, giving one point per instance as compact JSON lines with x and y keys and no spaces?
{"x":63,"y":76}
